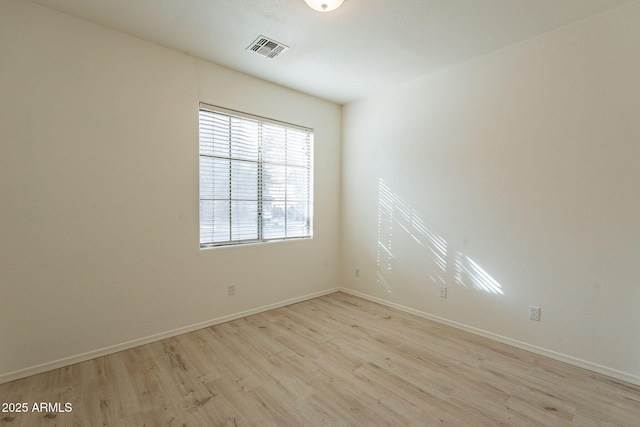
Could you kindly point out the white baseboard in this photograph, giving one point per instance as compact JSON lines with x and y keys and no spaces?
{"x":33,"y":370}
{"x":613,"y":373}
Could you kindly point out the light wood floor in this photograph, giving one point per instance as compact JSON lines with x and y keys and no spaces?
{"x":334,"y":360}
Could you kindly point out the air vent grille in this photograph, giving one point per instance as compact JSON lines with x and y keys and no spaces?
{"x":267,"y":47}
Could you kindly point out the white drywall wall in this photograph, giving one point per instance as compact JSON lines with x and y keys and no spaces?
{"x":99,"y":201}
{"x":513,"y":180}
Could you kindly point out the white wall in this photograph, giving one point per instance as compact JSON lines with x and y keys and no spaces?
{"x":99,"y":192}
{"x":514,"y":180}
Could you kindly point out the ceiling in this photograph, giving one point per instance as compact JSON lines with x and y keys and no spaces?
{"x":361,"y":48}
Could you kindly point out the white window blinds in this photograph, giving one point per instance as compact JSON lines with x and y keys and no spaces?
{"x":256,"y":179}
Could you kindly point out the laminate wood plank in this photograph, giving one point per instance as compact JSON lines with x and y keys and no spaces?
{"x":336,"y":360}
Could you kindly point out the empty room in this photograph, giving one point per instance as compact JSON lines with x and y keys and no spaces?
{"x":307,"y":212}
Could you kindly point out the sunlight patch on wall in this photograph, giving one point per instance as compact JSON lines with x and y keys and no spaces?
{"x":470,"y":275}
{"x":396,"y":216}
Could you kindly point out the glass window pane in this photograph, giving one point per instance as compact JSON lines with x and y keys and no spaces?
{"x":297,"y":218}
{"x":214,"y":134}
{"x":272,"y":144}
{"x":244,"y":139}
{"x":298,"y":148}
{"x":244,"y":180}
{"x":274,"y":226}
{"x":214,"y":178}
{"x":220,"y":179}
{"x":274,"y":183}
{"x":244,"y":220}
{"x":297,"y":183}
{"x":206,"y":221}
{"x":214,"y":221}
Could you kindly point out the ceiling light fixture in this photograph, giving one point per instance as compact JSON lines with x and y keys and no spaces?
{"x":324,"y":5}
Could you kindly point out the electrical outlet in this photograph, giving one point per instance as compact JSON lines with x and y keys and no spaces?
{"x":443,"y":291}
{"x":534,"y":313}
{"x":232,"y":289}
{"x":357,"y":272}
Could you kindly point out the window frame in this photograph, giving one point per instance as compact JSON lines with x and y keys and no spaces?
{"x":260,"y":219}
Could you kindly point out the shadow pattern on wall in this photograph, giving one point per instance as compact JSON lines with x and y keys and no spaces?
{"x":398,"y":218}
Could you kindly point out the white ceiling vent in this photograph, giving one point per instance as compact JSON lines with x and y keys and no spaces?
{"x":267,"y":47}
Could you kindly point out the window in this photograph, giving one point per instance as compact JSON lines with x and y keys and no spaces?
{"x":256,"y":179}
